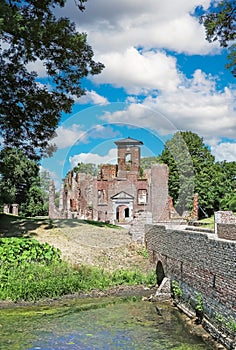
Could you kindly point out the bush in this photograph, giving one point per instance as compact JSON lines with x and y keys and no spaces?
{"x":17,"y":250}
{"x":34,"y":281}
{"x":32,"y":271}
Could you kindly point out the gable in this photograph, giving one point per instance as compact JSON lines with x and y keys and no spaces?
{"x":122,"y":195}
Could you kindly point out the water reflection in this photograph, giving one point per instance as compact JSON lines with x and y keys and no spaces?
{"x":130,"y":325}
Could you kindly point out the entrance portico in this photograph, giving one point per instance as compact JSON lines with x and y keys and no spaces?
{"x":123,"y":204}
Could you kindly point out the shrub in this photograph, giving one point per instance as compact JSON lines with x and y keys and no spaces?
{"x":17,"y":250}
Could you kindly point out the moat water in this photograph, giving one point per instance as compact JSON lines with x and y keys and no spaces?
{"x":94,"y":324}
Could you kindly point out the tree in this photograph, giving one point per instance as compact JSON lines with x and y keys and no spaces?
{"x":20,"y":182}
{"x":146,"y":162}
{"x":29,"y":110}
{"x":190,"y":171}
{"x":34,"y":204}
{"x":226,"y":185}
{"x":220,"y":24}
{"x":86,"y":168}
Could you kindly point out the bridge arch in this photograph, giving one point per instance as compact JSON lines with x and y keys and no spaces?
{"x":160,"y":273}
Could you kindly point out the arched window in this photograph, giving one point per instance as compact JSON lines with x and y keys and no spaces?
{"x":128,"y":158}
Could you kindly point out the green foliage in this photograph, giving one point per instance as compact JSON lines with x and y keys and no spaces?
{"x":224,"y":184}
{"x":20,"y":182}
{"x":177,"y":291}
{"x":232,"y":204}
{"x":146,"y":162}
{"x":124,"y":277}
{"x":86,"y":168}
{"x":29,"y":111}
{"x":45,"y":179}
{"x":142,"y":251}
{"x":229,"y":324}
{"x":219,"y":23}
{"x":31,"y":271}
{"x":199,"y":302}
{"x":17,"y":250}
{"x":34,"y":205}
{"x":189,"y":162}
{"x":192,"y":169}
{"x":17,"y":174}
{"x":208,"y":222}
{"x":37,"y":281}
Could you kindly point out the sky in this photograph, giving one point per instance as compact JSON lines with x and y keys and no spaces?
{"x":160,"y":76}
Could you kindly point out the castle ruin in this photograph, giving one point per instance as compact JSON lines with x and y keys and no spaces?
{"x":119,"y":194}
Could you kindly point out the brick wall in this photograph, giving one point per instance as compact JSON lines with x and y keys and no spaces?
{"x":225,"y":225}
{"x":201,"y":263}
{"x":227,"y":231}
{"x":159,"y":193}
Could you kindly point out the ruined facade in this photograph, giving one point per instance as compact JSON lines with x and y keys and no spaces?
{"x":119,"y":193}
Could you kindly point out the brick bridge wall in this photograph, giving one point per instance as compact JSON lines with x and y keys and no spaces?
{"x":200,"y":263}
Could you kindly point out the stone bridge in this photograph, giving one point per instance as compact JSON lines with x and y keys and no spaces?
{"x":202,"y":265}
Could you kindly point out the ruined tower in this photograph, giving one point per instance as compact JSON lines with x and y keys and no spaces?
{"x":128,"y":157}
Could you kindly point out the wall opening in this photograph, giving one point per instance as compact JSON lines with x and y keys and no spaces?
{"x":122,"y":213}
{"x":128,"y":158}
{"x":160,"y":273}
{"x":117,"y":214}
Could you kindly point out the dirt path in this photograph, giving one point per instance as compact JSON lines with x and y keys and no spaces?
{"x":108,"y":248}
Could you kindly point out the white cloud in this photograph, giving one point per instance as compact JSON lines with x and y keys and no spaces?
{"x":224,"y":151}
{"x":113,"y":26}
{"x":95,"y":158}
{"x":195,"y":105}
{"x":139,"y":71}
{"x":93,"y":98}
{"x":102,"y":132}
{"x":130,"y":37}
{"x":67,"y":137}
{"x":198,"y":106}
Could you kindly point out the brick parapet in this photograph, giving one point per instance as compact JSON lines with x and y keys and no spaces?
{"x":201,"y":263}
{"x":227,"y":231}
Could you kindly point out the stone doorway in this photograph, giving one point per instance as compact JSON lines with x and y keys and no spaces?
{"x":123,"y":207}
{"x":122,"y":213}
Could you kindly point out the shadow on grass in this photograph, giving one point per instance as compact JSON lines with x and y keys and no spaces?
{"x":16,"y":226}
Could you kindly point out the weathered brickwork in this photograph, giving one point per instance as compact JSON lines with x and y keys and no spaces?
{"x":225,"y":225}
{"x":11,"y":209}
{"x":227,"y":231}
{"x":119,"y":193}
{"x":201,"y":263}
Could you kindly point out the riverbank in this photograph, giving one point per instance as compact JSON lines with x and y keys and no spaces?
{"x":81,"y":243}
{"x":103,"y":247}
{"x":138,"y":291}
{"x":94,"y":256}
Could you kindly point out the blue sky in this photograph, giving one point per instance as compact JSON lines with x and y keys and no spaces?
{"x":160,"y":76}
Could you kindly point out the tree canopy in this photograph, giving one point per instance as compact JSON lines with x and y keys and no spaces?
{"x":220,"y":25}
{"x":86,"y":168}
{"x":19,"y":180}
{"x":31,"y":33}
{"x":192,"y":169}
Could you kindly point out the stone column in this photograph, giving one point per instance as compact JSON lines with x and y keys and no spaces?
{"x":6,"y":208}
{"x":15,"y":209}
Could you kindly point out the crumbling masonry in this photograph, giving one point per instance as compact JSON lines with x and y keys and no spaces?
{"x":120,"y":194}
